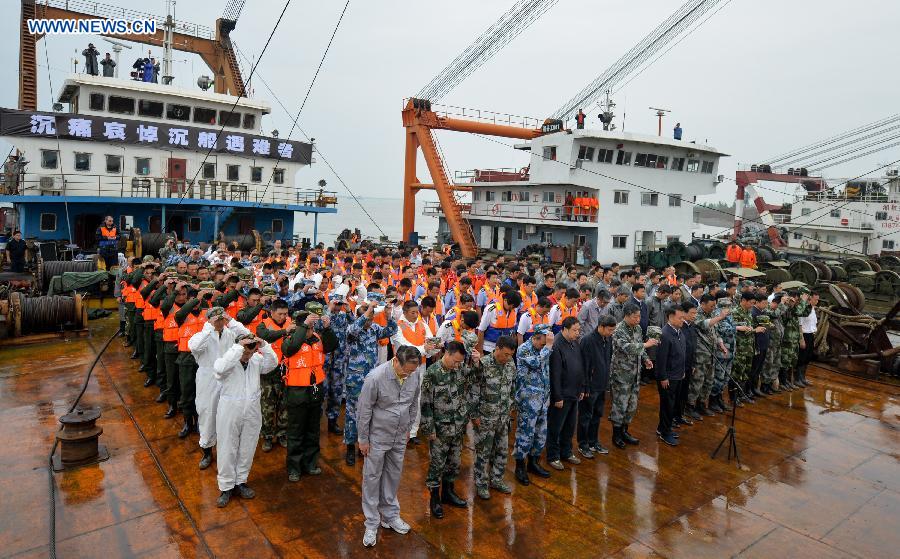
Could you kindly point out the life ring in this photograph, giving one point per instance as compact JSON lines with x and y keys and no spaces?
{"x":496,"y":209}
{"x":804,"y":244}
{"x":544,"y":211}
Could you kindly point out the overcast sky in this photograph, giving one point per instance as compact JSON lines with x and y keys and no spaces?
{"x":758,"y":79}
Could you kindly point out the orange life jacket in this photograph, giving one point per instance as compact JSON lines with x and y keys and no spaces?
{"x":432,"y":324}
{"x":254,"y":324}
{"x":170,"y":325}
{"x":528,"y":301}
{"x":109,"y":234}
{"x":415,"y":335}
{"x":504,"y":324}
{"x":191,"y":325}
{"x":566,"y":311}
{"x":307,"y":366}
{"x":139,"y":302}
{"x":381,"y":320}
{"x":235,"y":306}
{"x":538,"y":319}
{"x":748,"y":258}
{"x":492,"y":295}
{"x":272,"y":325}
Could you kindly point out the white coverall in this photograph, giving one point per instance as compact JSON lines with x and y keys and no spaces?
{"x":206,"y":346}
{"x":238,"y":417}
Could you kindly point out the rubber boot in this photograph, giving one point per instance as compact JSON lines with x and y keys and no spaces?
{"x":521,"y":474}
{"x":748,"y":393}
{"x":534,"y":466}
{"x":725,"y":405}
{"x":617,"y":439}
{"x":434,"y":503}
{"x":735,"y":400}
{"x":449,"y":496}
{"x":350,"y":456}
{"x":714,"y":404}
{"x":626,"y":436}
{"x":206,"y":460}
{"x":333,"y":427}
{"x":781,"y":387}
{"x":703,"y":410}
{"x":186,"y":427}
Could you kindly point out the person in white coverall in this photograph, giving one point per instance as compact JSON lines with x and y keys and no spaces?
{"x":207,"y":345}
{"x":238,"y":417}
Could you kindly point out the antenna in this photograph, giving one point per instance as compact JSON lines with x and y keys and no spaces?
{"x":168,"y":37}
{"x":117,"y":48}
{"x":660,"y":113}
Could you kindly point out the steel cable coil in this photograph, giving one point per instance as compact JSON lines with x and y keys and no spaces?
{"x":249,"y":242}
{"x":37,"y":315}
{"x":51,"y":268}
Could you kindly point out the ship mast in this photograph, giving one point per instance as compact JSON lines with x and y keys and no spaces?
{"x":168,"y":36}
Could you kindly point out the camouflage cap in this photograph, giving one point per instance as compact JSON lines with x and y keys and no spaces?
{"x":541,"y":329}
{"x":215,"y":313}
{"x":269,"y":291}
{"x":244,"y":273}
{"x":724,"y":302}
{"x":170,"y":269}
{"x":148,"y":258}
{"x":315,"y":308}
{"x":804,"y":289}
{"x":242,"y":337}
{"x":206,"y":285}
{"x":185,"y":277}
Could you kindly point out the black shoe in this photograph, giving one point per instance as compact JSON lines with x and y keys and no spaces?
{"x":617,"y":440}
{"x":333,"y":427}
{"x":414,"y":441}
{"x":314,"y":471}
{"x":691,"y":412}
{"x":434,"y":503}
{"x":223,"y":499}
{"x":160,"y":398}
{"x":534,"y":467}
{"x":714,"y":406}
{"x":672,"y":434}
{"x":143,"y":368}
{"x":267,"y":445}
{"x":626,"y":436}
{"x":171,"y":412}
{"x":134,"y":355}
{"x":521,"y":473}
{"x":669,"y":439}
{"x":207,"y":458}
{"x":704,"y":410}
{"x":685,"y":421}
{"x":186,"y":428}
{"x":245,"y":492}
{"x":350,"y":456}
{"x":758,"y":393}
{"x":148,"y":382}
{"x":449,"y":496}
{"x":598,"y":448}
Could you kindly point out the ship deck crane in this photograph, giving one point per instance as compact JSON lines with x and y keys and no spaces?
{"x":420,"y":120}
{"x":213,"y":46}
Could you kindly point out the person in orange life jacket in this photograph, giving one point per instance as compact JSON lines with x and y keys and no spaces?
{"x":490,"y":293}
{"x":412,"y":331}
{"x":538,"y":314}
{"x":168,"y":308}
{"x":466,"y":303}
{"x":434,"y":291}
{"x":566,"y":306}
{"x":464,"y":285}
{"x":190,"y":321}
{"x":404,"y":290}
{"x":254,"y":312}
{"x":304,"y":378}
{"x":559,"y":293}
{"x":526,"y":291}
{"x":108,"y":242}
{"x":274,"y":413}
{"x":498,"y":319}
{"x":232,"y":300}
{"x":138,"y":280}
{"x":153,"y":294}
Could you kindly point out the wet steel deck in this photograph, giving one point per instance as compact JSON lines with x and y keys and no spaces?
{"x":822,"y":480}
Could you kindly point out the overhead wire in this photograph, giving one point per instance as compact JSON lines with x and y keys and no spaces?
{"x":775,"y":160}
{"x":62,"y":172}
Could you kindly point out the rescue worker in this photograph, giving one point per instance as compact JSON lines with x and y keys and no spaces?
{"x":498,"y":320}
{"x":238,"y":418}
{"x":628,"y":352}
{"x":108,"y":242}
{"x":168,"y":308}
{"x":336,"y":362}
{"x":748,"y":258}
{"x":274,"y":414}
{"x":493,"y":398}
{"x":723,"y":358}
{"x":190,"y":318}
{"x":532,"y":395}
{"x":704,"y":371}
{"x":790,"y":344}
{"x":744,"y":349}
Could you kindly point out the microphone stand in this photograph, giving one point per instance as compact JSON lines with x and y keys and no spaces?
{"x":730,"y":435}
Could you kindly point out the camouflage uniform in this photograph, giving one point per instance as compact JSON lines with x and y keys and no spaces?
{"x":445,"y":412}
{"x":773,"y":354}
{"x":492,"y":392}
{"x":336,"y":366}
{"x":271,"y":403}
{"x":616,"y":310}
{"x":702,"y":379}
{"x":625,"y":372}
{"x":362,"y":352}
{"x":532,"y":400}
{"x":790,"y":343}
{"x":723,"y":363}
{"x":744,"y":346}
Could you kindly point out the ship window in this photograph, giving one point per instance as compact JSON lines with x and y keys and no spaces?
{"x":674,"y":200}
{"x":209,"y":170}
{"x":114,"y":164}
{"x":546,"y":237}
{"x":249,"y":121}
{"x":233,"y":172}
{"x":879,"y":216}
{"x":48,"y":222}
{"x":707,"y":167}
{"x":126,"y":222}
{"x":255,"y":174}
{"x":49,"y":159}
{"x":678,"y":163}
{"x":886,"y":244}
{"x":178,"y":112}
{"x":640,"y":160}
{"x":520,"y":233}
{"x":586,"y":152}
{"x":489,"y":195}
{"x":798,"y":236}
{"x":662,"y":162}
{"x":830,"y":239}
{"x":672,"y":238}
{"x":150,"y":108}
{"x":693,"y":166}
{"x":277,"y":225}
{"x":649,"y":199}
{"x":82,"y":161}
{"x":605,"y":156}
{"x":194,"y":225}
{"x":476,"y":196}
{"x":623,"y":158}
{"x":550,"y":153}
{"x":228,"y":118}
{"x":96,"y":101}
{"x":835,"y":213}
{"x":524,"y":196}
{"x":620,"y":241}
{"x":141,"y":165}
{"x":651,"y":160}
{"x":278,"y":176}
{"x":805,"y":211}
{"x":549,"y":196}
{"x":620,"y":197}
{"x":124,"y":105}
{"x":506,"y":196}
{"x":204,"y":116}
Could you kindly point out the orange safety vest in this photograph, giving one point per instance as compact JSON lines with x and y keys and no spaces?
{"x":272,"y":325}
{"x":432,"y":324}
{"x":109,"y":234}
{"x":191,"y":325}
{"x":733,"y":253}
{"x":565,"y":312}
{"x":528,"y":301}
{"x":381,"y":320}
{"x":416,"y":335}
{"x":672,"y":280}
{"x":235,"y":306}
{"x":748,"y":258}
{"x":492,"y":295}
{"x":307,"y":366}
{"x":138,"y":298}
{"x":254,"y":324}
{"x":170,"y":325}
{"x":504,"y":324}
{"x":538,"y":319}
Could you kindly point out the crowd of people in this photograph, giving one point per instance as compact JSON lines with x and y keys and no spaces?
{"x":417,"y":346}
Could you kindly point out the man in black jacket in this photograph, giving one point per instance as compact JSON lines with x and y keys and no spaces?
{"x":689,"y":332}
{"x":567,"y":387}
{"x":670,"y":361}
{"x":596,"y":350}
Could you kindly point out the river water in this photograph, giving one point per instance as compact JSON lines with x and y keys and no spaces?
{"x":385,"y":212}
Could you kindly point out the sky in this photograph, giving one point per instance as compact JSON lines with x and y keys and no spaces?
{"x":758,"y":79}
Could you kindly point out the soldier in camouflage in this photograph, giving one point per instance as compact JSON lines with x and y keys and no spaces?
{"x":492,"y":391}
{"x":629,"y":350}
{"x":707,"y":341}
{"x":745,"y":346}
{"x":274,"y":412}
{"x":336,"y":362}
{"x":363,"y":335}
{"x":773,"y":354}
{"x":532,"y":400}
{"x":723,"y":360}
{"x":445,"y":412}
{"x":790,"y":343}
{"x":616,"y":307}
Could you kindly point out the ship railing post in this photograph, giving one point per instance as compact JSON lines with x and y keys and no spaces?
{"x":315,"y":228}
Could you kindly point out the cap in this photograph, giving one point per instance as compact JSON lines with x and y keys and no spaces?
{"x":654,"y":332}
{"x":804,"y":289}
{"x":242,"y":337}
{"x":244,"y":273}
{"x":215,"y":313}
{"x":315,"y":308}
{"x":724,"y":302}
{"x":206,"y":285}
{"x":170,"y":269}
{"x":268,"y":290}
{"x":541,"y":329}
{"x":148,"y":258}
{"x":184,"y":277}
{"x":337,"y":298}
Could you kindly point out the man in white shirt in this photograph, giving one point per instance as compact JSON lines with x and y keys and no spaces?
{"x":808,"y":326}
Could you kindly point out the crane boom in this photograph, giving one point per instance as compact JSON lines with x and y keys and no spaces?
{"x":663,"y":34}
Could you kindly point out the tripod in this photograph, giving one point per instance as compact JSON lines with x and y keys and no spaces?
{"x":730,"y":436}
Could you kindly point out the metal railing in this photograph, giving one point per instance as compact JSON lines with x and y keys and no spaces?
{"x":107,"y":11}
{"x":843,"y":197}
{"x":550,"y":214}
{"x":503,"y":174}
{"x":145,"y":186}
{"x":482,"y":115}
